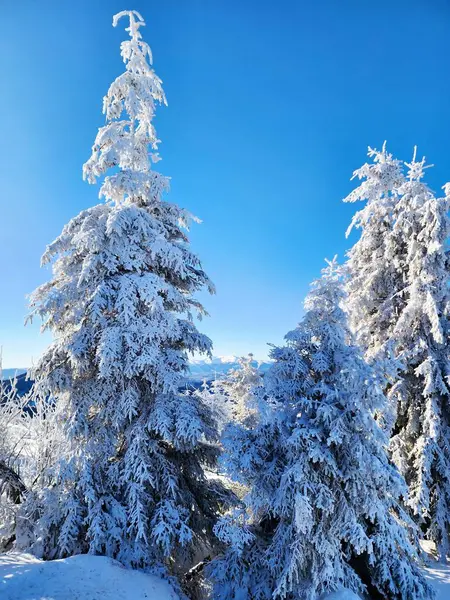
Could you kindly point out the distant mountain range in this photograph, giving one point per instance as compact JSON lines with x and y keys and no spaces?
{"x":209,"y":369}
{"x":11,"y":373}
{"x":22,"y":384}
{"x":218,"y":366}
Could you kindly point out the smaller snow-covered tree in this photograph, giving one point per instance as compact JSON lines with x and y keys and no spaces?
{"x":12,"y":486}
{"x":237,"y":390}
{"x":211,"y":394}
{"x":324,"y":500}
{"x":31,"y":443}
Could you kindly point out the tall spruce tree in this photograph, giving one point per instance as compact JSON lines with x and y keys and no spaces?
{"x":323,"y":509}
{"x":372,"y":305}
{"x":409,"y":313}
{"x":120,"y":305}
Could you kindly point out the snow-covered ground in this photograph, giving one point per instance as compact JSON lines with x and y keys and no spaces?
{"x":341,"y":595}
{"x":439,"y":577}
{"x":24,"y":577}
{"x":83,"y":577}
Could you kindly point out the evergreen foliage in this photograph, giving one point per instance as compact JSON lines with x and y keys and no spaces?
{"x":324,"y":508}
{"x":398,"y":301}
{"x":237,"y":390}
{"x":120,"y":305}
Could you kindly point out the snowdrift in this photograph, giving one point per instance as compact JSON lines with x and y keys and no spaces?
{"x":83,"y":577}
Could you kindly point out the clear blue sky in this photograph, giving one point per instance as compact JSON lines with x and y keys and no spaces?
{"x":271,"y":107}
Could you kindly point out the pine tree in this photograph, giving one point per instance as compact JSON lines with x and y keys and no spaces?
{"x":421,"y":438}
{"x":120,"y":305}
{"x":373,"y":275}
{"x":323,"y":509}
{"x":237,"y":390}
{"x":408,"y":313}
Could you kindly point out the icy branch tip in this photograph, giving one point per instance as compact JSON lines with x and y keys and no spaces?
{"x":133,"y":29}
{"x":333,"y":268}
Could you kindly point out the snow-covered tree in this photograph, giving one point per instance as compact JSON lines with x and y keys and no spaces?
{"x":372,"y":262}
{"x":323,"y":509}
{"x":210,"y":394}
{"x":12,"y":432}
{"x":237,"y":390}
{"x":30,"y":444}
{"x":398,"y":299}
{"x":120,"y":305}
{"x":421,"y":438}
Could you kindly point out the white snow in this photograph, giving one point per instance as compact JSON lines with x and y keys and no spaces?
{"x":217,"y":360}
{"x":341,"y":595}
{"x":82,"y":577}
{"x":86,"y":577}
{"x":439,"y":577}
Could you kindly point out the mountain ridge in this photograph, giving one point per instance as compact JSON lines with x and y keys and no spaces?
{"x":199,"y":368}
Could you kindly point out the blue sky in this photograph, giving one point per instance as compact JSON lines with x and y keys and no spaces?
{"x":271,"y":108}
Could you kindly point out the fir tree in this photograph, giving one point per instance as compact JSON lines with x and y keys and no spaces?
{"x":120,"y":305}
{"x":421,"y":438}
{"x":323,"y":508}
{"x":372,"y":305}
{"x":237,"y":390}
{"x":408,"y":312}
